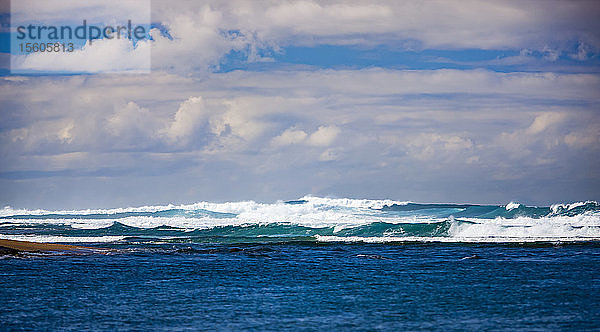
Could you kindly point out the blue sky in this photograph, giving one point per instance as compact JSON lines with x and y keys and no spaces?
{"x":353,"y":57}
{"x":450,"y":101}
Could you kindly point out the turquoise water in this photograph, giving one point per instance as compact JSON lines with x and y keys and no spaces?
{"x":309,"y":219}
{"x":310,"y":264}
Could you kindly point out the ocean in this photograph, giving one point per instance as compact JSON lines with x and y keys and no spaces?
{"x":310,"y":264}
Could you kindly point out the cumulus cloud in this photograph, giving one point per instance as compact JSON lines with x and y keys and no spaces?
{"x":265,"y":103}
{"x":133,"y":125}
{"x":195,"y":42}
{"x":190,"y":115}
{"x":288,"y":137}
{"x":324,"y":126}
{"x":218,"y":125}
{"x":550,"y":135}
{"x":545,"y":120}
{"x":446,"y":24}
{"x":242,"y":121}
{"x":203,"y":32}
{"x":324,"y":136}
{"x":273,"y":134}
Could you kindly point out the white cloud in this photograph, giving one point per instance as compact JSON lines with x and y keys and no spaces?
{"x":101,"y":56}
{"x":431,"y":24}
{"x":205,"y":31}
{"x":133,"y":124}
{"x":429,"y":146}
{"x":382,"y":82}
{"x":201,"y":30}
{"x":547,"y":132}
{"x":190,"y":115}
{"x":324,"y":136}
{"x":582,"y":52}
{"x":465,"y":122}
{"x":389,"y":126}
{"x":65,"y":134}
{"x":584,"y":138}
{"x":288,"y":137}
{"x":196,"y":42}
{"x":545,"y":120}
{"x":74,"y":11}
{"x":311,"y":18}
{"x":253,"y":108}
{"x":240,"y":119}
{"x":220,"y":125}
{"x":328,"y":155}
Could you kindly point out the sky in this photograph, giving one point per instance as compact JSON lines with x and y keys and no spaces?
{"x":435,"y":101}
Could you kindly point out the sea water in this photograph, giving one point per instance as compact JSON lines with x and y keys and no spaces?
{"x":309,"y":264}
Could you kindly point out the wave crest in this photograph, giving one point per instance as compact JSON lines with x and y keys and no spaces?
{"x":318,"y":219}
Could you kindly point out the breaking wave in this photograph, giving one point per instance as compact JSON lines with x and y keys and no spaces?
{"x":313,"y":219}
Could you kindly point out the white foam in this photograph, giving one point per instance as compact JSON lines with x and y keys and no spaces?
{"x":62,"y":239}
{"x":555,"y":208}
{"x":585,"y":227}
{"x":339,"y":213}
{"x":399,"y":239}
{"x":8,"y":211}
{"x":316,"y":212}
{"x":339,"y":221}
{"x":227,"y":207}
{"x":353,"y":203}
{"x":580,"y":226}
{"x":512,"y":205}
{"x":74,"y":223}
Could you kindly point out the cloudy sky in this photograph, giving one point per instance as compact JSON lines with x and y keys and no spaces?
{"x":436,"y":101}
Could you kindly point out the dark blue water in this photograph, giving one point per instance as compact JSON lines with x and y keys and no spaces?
{"x":305,"y":286}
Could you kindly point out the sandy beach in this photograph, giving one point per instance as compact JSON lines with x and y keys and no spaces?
{"x":37,"y":247}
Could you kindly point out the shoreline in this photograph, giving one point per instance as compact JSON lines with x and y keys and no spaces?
{"x":26,"y":246}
